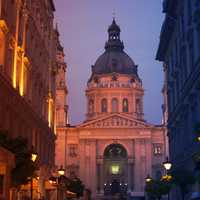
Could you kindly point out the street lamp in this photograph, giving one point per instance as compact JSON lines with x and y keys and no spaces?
{"x":61,"y":171}
{"x":56,"y":181}
{"x":148,"y":179}
{"x":167,"y":164}
{"x":34,"y":156}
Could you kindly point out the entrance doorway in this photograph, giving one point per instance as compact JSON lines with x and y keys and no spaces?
{"x":115,"y":165}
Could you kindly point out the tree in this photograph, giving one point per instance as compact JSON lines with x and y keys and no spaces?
{"x":183,"y":178}
{"x":157,"y":188}
{"x":76,"y":186}
{"x":24,"y":167}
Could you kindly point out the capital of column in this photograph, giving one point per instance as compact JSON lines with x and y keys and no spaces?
{"x":18,"y":3}
{"x":131,"y":160}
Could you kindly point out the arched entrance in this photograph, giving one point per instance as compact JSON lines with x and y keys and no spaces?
{"x":115,"y":165}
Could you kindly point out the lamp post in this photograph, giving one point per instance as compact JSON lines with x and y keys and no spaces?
{"x":61,"y":172}
{"x":56,"y":180}
{"x":34,"y":156}
{"x":148,"y":180}
{"x":167,"y":165}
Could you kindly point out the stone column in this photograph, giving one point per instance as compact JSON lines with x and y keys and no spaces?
{"x":98,"y":178}
{"x":82,"y":167}
{"x":130,"y":175}
{"x":137,"y":169}
{"x":101,"y":178}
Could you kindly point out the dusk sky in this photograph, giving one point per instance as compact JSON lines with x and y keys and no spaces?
{"x":83,"y":32}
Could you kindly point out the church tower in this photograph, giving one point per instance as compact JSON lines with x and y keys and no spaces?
{"x":61,"y":88}
{"x":114,"y":86}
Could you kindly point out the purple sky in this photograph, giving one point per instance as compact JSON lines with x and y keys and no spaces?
{"x":83,"y":31}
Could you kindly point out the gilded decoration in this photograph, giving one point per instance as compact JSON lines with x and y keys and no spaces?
{"x":3,"y":26}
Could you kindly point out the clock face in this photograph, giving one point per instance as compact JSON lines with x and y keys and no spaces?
{"x":115,"y":169}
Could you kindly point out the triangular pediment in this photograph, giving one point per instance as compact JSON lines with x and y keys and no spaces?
{"x":115,"y":121}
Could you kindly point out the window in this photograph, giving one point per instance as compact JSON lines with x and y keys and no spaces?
{"x":1,"y":183}
{"x":2,"y":50}
{"x":114,"y":105}
{"x":157,"y":150}
{"x":91,"y":106}
{"x":104,"y":105}
{"x":73,"y":150}
{"x":125,"y":105}
{"x":138,"y":106}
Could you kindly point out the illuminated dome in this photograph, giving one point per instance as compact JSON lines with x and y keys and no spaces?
{"x":114,"y":59}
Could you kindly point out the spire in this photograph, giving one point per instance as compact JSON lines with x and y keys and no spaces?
{"x":114,"y":41}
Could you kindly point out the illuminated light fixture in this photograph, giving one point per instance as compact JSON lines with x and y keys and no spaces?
{"x":50,"y":181}
{"x":61,"y":171}
{"x":50,"y":109}
{"x":167,"y":164}
{"x":34,"y":156}
{"x":115,"y":169}
{"x":3,"y":26}
{"x":105,"y":184}
{"x":148,"y":179}
{"x":198,"y":138}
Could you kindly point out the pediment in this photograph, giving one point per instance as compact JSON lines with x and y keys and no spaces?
{"x":115,"y":121}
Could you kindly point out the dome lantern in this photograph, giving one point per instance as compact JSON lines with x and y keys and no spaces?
{"x":114,"y":42}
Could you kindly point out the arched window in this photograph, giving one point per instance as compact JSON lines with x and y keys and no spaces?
{"x":125,"y":105}
{"x":91,"y":106}
{"x":138,"y":106}
{"x":114,"y":105}
{"x":104,"y":105}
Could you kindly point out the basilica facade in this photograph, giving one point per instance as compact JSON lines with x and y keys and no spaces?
{"x":115,"y":145}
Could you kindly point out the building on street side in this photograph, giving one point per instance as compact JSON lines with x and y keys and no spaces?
{"x":179,"y":50}
{"x":28,"y":68}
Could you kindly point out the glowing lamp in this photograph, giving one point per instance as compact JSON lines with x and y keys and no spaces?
{"x":167,"y":164}
{"x":148,"y":179}
{"x":115,"y":169}
{"x":61,"y":171}
{"x":34,"y":156}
